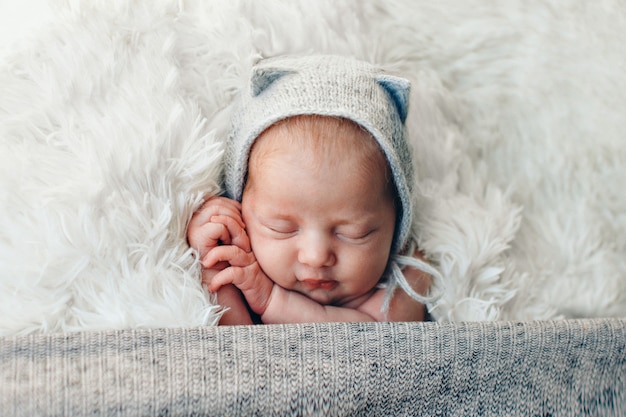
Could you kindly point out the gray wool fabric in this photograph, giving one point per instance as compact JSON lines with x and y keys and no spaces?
{"x":325,"y":85}
{"x":537,"y":368}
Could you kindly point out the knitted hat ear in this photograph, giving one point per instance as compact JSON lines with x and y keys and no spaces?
{"x":262,"y":78}
{"x":398,"y":90}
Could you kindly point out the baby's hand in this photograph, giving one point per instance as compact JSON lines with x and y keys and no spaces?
{"x":244,"y":272}
{"x":217,"y":222}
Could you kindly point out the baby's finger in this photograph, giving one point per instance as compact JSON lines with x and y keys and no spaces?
{"x":238,"y":235}
{"x":257,"y":288}
{"x":220,"y":279}
{"x":232,"y":275}
{"x":217,"y":206}
{"x":208,"y":236}
{"x":207,"y":275}
{"x":232,"y":254}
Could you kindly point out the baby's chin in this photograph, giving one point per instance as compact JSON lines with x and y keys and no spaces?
{"x":335,"y":297}
{"x":320,"y":295}
{"x":323,"y":297}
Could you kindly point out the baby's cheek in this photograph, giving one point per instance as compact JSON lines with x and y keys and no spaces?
{"x":269,"y":255}
{"x":373,"y":264}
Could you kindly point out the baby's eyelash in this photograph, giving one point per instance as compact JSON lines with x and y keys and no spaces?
{"x":359,"y":236}
{"x":284,"y":231}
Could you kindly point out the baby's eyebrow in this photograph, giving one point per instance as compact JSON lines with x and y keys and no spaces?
{"x":359,"y":221}
{"x":274,"y":216}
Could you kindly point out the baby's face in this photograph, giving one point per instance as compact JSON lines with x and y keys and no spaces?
{"x":319,"y":223}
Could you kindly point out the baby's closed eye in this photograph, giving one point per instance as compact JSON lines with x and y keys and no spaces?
{"x":355,"y":234}
{"x":281,"y":228}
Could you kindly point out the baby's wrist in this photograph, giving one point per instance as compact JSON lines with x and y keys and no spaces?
{"x":272,"y":313}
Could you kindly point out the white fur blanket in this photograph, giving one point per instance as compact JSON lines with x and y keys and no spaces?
{"x":113,"y":115}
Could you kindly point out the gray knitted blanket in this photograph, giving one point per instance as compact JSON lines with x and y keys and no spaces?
{"x":541,"y":368}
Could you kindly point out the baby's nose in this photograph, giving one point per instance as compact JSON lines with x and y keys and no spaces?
{"x":316,"y":251}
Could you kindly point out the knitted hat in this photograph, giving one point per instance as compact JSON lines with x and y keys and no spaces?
{"x":328,"y":86}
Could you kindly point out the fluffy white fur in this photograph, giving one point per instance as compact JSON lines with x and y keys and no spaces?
{"x":112,"y":119}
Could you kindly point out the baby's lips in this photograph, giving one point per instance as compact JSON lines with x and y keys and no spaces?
{"x":321,"y":284}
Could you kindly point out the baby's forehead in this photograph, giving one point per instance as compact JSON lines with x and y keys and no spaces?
{"x":318,"y":145}
{"x":326,"y":136}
